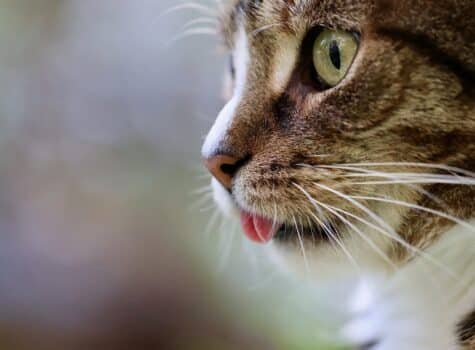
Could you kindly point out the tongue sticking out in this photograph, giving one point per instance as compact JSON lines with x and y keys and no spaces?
{"x":257,"y":228}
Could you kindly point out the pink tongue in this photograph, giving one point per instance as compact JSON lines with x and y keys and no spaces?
{"x":257,"y":228}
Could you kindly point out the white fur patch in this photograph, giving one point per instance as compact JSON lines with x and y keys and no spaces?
{"x":223,"y":199}
{"x":419,"y":306}
{"x":416,"y":307}
{"x":225,"y":117}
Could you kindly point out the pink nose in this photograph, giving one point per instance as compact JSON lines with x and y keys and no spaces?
{"x":223,"y":168}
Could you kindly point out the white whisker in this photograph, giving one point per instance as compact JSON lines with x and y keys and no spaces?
{"x":377,"y":249}
{"x":200,"y":20}
{"x":264,"y":282}
{"x":328,"y":230}
{"x":407,"y":175}
{"x":418,"y":181}
{"x":264,"y":28}
{"x":192,"y":32}
{"x":393,"y":176}
{"x":189,"y":6}
{"x":396,"y":237}
{"x":274,"y":219}
{"x":227,"y":248}
{"x":401,"y":177}
{"x":211,"y":223}
{"x":208,"y":208}
{"x":202,"y":190}
{"x":204,"y":199}
{"x":447,"y":168}
{"x":300,"y":238}
{"x":417,"y":207}
{"x":371,"y":214}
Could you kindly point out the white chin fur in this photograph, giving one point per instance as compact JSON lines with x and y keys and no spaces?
{"x":415,"y":307}
{"x":223,"y":199}
{"x":419,"y":306}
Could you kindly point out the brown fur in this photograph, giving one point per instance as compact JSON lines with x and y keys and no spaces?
{"x":467,"y":332}
{"x":408,"y":98}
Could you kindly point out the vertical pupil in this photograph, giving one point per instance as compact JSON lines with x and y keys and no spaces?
{"x":335,"y":54}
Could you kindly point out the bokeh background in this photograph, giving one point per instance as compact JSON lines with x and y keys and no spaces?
{"x":106,"y":237}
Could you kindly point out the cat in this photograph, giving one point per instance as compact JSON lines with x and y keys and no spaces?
{"x":348,"y":143}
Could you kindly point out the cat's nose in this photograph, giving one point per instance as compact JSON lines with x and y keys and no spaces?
{"x":223,"y":168}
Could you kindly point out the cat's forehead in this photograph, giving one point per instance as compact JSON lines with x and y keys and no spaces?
{"x":292,"y":15}
{"x":441,"y":26}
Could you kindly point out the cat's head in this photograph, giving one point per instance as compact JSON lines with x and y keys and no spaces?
{"x":344,"y":114}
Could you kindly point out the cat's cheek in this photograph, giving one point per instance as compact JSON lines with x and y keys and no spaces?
{"x":223,"y":200}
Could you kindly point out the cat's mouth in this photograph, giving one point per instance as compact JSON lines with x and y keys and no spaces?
{"x":263,"y":230}
{"x":258,"y":228}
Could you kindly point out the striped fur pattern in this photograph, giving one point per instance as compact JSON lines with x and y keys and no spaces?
{"x":376,"y":175}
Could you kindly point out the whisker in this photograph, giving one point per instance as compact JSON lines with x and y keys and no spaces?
{"x":200,"y":20}
{"x":274,"y":219}
{"x":304,"y":254}
{"x":226,"y":251}
{"x":221,"y":237}
{"x":328,"y":230}
{"x":203,"y":175}
{"x":189,"y":6}
{"x":378,"y":250}
{"x":392,"y":176}
{"x":392,"y":234}
{"x":396,"y":237}
{"x":411,"y":176}
{"x":421,"y":181}
{"x":370,"y":213}
{"x":204,"y":199}
{"x":418,"y":189}
{"x":211,"y":223}
{"x":417,"y":207}
{"x":202,"y":190}
{"x":208,"y":208}
{"x":447,"y":168}
{"x":321,"y":156}
{"x":402,"y":177}
{"x":192,"y":32}
{"x":252,"y":256}
{"x":264,"y":28}
{"x":334,"y":237}
{"x":264,"y":282}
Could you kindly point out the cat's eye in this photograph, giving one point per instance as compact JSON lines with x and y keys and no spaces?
{"x":333,"y":54}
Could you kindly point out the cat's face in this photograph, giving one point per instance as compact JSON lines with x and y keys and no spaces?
{"x":334,"y":102}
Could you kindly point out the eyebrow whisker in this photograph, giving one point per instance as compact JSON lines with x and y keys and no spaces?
{"x":264,"y":28}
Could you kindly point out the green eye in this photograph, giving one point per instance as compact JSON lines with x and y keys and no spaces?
{"x":333,"y":54}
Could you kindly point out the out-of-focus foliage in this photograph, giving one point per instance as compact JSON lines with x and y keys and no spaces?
{"x":103,"y":244}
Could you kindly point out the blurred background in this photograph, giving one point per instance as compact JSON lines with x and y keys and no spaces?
{"x":108,"y":239}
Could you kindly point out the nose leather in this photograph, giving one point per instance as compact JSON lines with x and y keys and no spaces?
{"x":223,"y":168}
